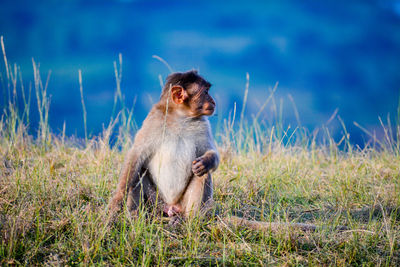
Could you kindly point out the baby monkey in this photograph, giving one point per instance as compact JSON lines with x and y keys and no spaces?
{"x":173,"y":155}
{"x":173,"y":152}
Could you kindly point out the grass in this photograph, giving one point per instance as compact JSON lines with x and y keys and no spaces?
{"x":54,"y":191}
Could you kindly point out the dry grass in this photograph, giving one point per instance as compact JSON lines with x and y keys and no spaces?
{"x":53,"y":203}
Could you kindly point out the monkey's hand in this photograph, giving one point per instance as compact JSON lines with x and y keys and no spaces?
{"x":201,"y":166}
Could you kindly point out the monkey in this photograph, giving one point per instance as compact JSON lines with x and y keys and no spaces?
{"x":174,"y":154}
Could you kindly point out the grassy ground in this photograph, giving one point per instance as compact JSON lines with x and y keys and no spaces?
{"x":54,"y":192}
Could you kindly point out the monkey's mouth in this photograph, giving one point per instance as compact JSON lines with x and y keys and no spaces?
{"x":209,"y":111}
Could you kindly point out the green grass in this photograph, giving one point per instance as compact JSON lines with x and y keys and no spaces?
{"x":54,"y":192}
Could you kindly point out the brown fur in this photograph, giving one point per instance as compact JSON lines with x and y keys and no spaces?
{"x":173,"y":153}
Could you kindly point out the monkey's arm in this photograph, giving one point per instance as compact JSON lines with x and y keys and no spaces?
{"x":209,"y":159}
{"x":129,"y":176}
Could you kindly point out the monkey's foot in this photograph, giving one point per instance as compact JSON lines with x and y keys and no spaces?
{"x":172,"y":210}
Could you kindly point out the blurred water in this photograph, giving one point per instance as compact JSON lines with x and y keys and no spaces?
{"x":326,"y":54}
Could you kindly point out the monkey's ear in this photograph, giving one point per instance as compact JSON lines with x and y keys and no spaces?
{"x":179,"y":95}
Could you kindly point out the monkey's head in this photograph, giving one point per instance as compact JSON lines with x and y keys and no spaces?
{"x":189,"y":93}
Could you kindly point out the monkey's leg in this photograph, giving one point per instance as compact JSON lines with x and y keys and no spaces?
{"x":207,"y":201}
{"x":153,"y":197}
{"x":145,"y":193}
{"x":135,"y":197}
{"x":195,"y":194}
{"x":137,"y":193}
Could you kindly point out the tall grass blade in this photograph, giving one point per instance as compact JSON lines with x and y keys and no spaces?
{"x":43,"y":103}
{"x":83,"y":106}
{"x":171,"y":70}
{"x":246,"y":91}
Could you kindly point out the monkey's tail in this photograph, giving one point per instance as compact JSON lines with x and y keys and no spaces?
{"x":267,"y":226}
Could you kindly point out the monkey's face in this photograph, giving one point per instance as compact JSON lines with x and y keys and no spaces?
{"x":192,"y":100}
{"x":200,"y":102}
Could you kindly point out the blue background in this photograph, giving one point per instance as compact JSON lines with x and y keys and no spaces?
{"x":326,"y":54}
